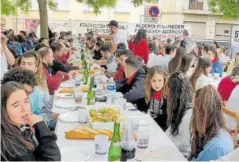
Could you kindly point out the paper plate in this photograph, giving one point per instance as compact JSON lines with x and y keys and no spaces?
{"x":64,"y":104}
{"x":156,"y":154}
{"x":64,"y":95}
{"x":66,"y":85}
{"x":69,"y":117}
{"x":74,"y":154}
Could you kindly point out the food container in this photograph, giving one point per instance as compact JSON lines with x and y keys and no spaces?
{"x":101,"y":116}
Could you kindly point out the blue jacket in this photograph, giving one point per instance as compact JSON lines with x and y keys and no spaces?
{"x":217,"y":67}
{"x":17,"y":47}
{"x":41,"y":103}
{"x":219,"y":146}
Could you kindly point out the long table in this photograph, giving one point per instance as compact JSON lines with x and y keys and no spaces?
{"x":158,"y":139}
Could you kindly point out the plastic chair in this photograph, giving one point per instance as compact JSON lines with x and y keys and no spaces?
{"x":234,"y":132}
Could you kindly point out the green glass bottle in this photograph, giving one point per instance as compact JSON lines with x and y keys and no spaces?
{"x":114,"y":153}
{"x":91,"y":83}
{"x":86,"y":75}
{"x":91,"y":97}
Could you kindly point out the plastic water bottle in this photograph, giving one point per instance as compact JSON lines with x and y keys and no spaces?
{"x":111,"y":89}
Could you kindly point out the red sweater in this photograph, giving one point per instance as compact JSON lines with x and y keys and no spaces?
{"x":140,"y":49}
{"x":226,"y":87}
{"x":54,"y":82}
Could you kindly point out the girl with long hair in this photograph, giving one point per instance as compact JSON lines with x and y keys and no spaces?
{"x":139,"y":47}
{"x":174,"y":63}
{"x":217,"y":66}
{"x":200,"y":77}
{"x":209,"y":135}
{"x":154,"y":95}
{"x":24,"y":136}
{"x":188,"y":64}
{"x":179,"y":101}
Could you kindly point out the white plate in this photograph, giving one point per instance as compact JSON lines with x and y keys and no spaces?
{"x":74,"y":154}
{"x":69,"y":117}
{"x":156,"y":154}
{"x":64,"y":95}
{"x":64,"y":104}
{"x":68,"y":84}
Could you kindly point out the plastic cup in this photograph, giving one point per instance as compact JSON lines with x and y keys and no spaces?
{"x":78,"y":80}
{"x":78,"y":95}
{"x":82,"y":115}
{"x":143,"y":138}
{"x":101,"y":144}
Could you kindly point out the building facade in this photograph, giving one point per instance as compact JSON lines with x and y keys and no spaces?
{"x":195,"y":14}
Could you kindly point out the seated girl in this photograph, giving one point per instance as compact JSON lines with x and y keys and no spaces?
{"x":154,"y":95}
{"x":200,"y":77}
{"x":179,"y":100}
{"x":24,"y":136}
{"x":209,"y":135}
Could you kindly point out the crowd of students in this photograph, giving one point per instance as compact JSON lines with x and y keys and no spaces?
{"x":168,"y":80}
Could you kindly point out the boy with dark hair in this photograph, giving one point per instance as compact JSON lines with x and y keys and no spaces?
{"x":110,"y":61}
{"x":133,"y":86}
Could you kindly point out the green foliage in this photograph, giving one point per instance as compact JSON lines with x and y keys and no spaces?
{"x":11,"y":7}
{"x":52,"y":5}
{"x":137,"y":3}
{"x":229,"y":8}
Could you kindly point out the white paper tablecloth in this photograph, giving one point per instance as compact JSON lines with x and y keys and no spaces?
{"x":158,"y":139}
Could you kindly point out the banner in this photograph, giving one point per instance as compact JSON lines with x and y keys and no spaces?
{"x":31,"y":25}
{"x":97,"y":27}
{"x":161,"y":31}
{"x":156,"y":30}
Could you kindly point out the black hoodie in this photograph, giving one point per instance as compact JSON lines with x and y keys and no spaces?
{"x":47,"y":149}
{"x":135,"y":91}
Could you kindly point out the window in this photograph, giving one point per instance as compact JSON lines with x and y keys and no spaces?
{"x":196,"y":4}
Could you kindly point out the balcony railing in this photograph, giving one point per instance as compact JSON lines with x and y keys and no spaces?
{"x":195,"y":5}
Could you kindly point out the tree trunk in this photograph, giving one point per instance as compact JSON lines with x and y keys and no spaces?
{"x":43,"y":18}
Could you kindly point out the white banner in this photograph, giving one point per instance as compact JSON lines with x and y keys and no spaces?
{"x":156,"y":30}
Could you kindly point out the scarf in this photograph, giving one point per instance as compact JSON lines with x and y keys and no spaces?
{"x":130,"y":79}
{"x":157,"y":96}
{"x":215,"y":60}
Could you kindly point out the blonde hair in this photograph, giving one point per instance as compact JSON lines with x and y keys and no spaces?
{"x":148,"y":87}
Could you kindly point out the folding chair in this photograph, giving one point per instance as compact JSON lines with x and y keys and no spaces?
{"x":234,"y":132}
